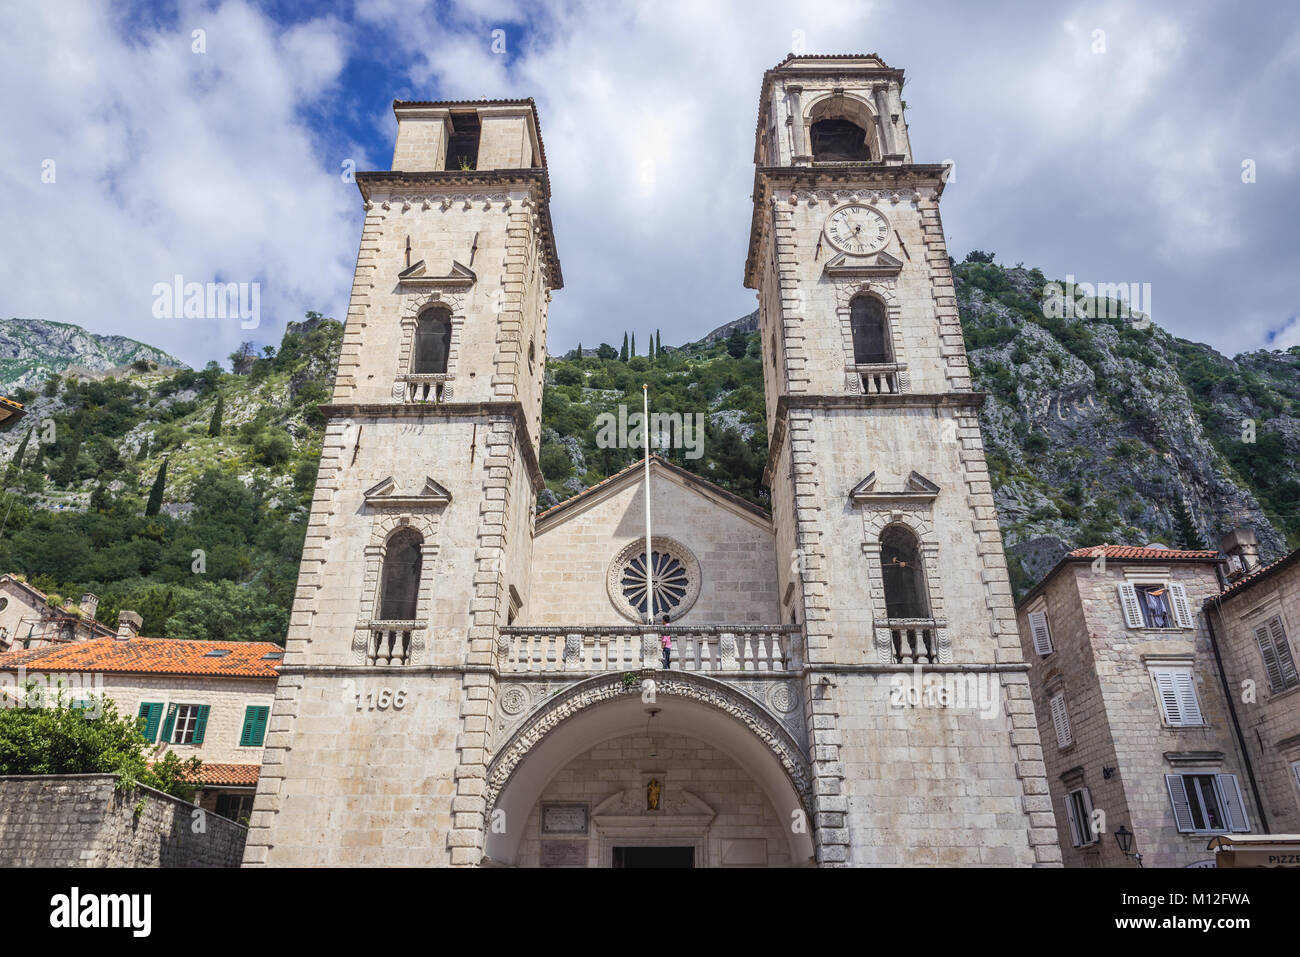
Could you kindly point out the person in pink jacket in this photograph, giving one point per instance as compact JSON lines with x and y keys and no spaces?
{"x":666,"y":640}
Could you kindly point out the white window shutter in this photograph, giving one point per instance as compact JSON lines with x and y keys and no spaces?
{"x":1042,"y":634}
{"x":1188,"y":705}
{"x":1182,"y":607}
{"x":1076,"y":833}
{"x":1167,"y":693}
{"x":1233,"y":802}
{"x":1061,"y":721}
{"x":1282,"y":648}
{"x":1178,"y":801}
{"x":1128,"y":601}
{"x":1272,"y":667}
{"x":1088,"y":836}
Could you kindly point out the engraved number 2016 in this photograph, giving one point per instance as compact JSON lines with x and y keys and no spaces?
{"x":382,"y":700}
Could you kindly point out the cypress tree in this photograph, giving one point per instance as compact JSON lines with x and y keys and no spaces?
{"x":631,"y":350}
{"x":16,"y":463}
{"x":1184,"y":527}
{"x":659,"y":344}
{"x":156,"y":493}
{"x":143,"y":452}
{"x":579,"y":350}
{"x":622,"y":355}
{"x":214,"y":427}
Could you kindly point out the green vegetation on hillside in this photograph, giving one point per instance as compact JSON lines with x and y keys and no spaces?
{"x":86,"y":511}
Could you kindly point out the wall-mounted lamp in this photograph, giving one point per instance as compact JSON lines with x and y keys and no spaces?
{"x":1124,"y":838}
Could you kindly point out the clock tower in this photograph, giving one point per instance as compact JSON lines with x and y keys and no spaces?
{"x":922,"y":733}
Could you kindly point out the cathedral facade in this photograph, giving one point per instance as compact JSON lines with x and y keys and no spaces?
{"x":470,"y":683}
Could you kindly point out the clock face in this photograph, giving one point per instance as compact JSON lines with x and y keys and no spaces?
{"x":857,"y":230}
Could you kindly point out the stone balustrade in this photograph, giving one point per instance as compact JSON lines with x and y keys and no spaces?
{"x":586,"y":649}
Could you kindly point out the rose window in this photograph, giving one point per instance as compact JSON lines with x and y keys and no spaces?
{"x":676,"y":580}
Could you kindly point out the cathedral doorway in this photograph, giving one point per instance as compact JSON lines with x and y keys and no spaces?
{"x":612,"y":785}
{"x":678,"y":857}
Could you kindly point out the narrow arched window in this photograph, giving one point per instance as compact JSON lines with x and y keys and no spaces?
{"x":870,"y":330}
{"x":904,"y":578}
{"x":432,"y":342}
{"x":399,"y":589}
{"x":837,"y":140}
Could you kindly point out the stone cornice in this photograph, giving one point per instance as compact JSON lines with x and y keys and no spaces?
{"x":903,"y":400}
{"x":338,"y":410}
{"x":444,"y":181}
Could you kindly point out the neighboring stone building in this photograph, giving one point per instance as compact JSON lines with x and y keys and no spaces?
{"x":1131,"y":706}
{"x":28,"y":620}
{"x":205,"y":699}
{"x":466,"y":682}
{"x":1256,"y":621}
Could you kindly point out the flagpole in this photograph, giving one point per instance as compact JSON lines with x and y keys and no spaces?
{"x":649,"y":566}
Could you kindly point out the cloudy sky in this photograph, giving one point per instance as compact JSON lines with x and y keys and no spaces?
{"x":1101,"y":140}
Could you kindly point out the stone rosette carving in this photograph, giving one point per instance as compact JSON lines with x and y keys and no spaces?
{"x":595,"y":691}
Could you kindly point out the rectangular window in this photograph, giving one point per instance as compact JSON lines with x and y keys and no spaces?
{"x":1275,"y":650}
{"x":189,"y":723}
{"x":254,"y":732}
{"x":1060,"y":720}
{"x":1078,"y":808}
{"x":149,"y":718}
{"x":1207,"y":803}
{"x":235,"y":807}
{"x":1176,"y":694}
{"x":1295,"y":769}
{"x":1155,"y":605}
{"x":1041,"y":632}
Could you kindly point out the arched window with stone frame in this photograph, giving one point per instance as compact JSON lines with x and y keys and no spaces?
{"x":432,"y":346}
{"x":903,"y":574}
{"x":399,"y":582}
{"x":870,"y":326}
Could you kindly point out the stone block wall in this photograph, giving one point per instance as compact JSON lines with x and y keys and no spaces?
{"x":80,"y":820}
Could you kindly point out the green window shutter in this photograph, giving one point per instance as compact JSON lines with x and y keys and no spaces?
{"x":169,"y":724}
{"x":200,"y":723}
{"x":151,"y":713}
{"x":254,"y":732}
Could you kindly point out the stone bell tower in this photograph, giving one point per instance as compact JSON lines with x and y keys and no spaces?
{"x":419,"y":541}
{"x":922,"y":734}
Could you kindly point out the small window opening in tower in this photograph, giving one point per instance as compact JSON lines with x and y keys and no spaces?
{"x":839,"y":141}
{"x":462,"y":145}
{"x":904,"y":578}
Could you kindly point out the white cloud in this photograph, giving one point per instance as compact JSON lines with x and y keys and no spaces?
{"x":170,"y":161}
{"x":1115,"y":166}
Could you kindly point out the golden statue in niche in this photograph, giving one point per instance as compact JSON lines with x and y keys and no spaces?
{"x":652,"y":795}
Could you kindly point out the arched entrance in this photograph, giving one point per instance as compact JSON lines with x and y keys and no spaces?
{"x":580,"y":778}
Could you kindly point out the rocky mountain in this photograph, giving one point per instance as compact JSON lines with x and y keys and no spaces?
{"x":32,"y":349}
{"x":1113,"y":430}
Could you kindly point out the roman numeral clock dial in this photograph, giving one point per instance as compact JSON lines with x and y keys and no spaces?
{"x":857,"y":230}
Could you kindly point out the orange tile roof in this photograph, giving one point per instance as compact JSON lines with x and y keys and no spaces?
{"x":163,"y":656}
{"x":229,"y":773}
{"x":1131,"y":551}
